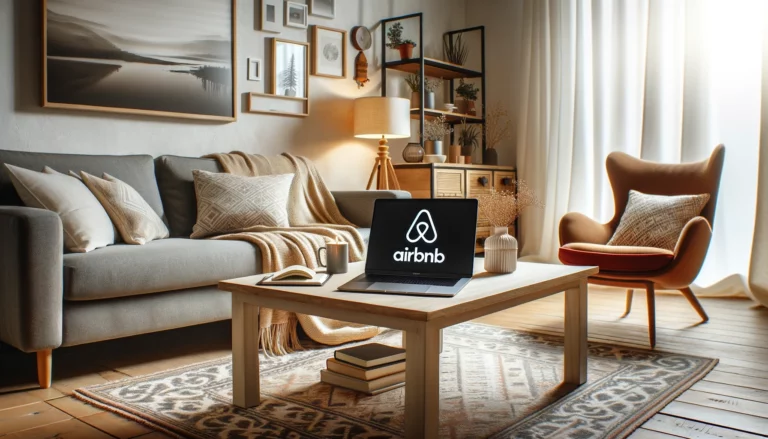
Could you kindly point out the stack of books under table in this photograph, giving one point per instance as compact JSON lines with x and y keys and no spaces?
{"x":371,"y":368}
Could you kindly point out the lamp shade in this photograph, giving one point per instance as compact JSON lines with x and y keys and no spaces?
{"x":381,"y":116}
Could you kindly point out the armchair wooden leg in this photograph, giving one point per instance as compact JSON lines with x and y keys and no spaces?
{"x":630,"y":294}
{"x":694,"y":303}
{"x":650,"y":297}
{"x":44,"y":363}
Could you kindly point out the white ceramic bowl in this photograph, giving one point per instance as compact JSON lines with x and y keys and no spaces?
{"x":449,"y":107}
{"x":434,"y":158}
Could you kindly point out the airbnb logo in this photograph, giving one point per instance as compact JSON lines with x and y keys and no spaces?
{"x":422,"y":229}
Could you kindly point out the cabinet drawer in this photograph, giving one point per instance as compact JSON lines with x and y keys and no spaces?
{"x":504,"y":180}
{"x":449,"y":183}
{"x":479,"y":183}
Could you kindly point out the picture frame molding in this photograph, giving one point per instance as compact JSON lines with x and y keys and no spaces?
{"x":278,"y":20}
{"x":315,"y":51}
{"x":313,"y":12}
{"x":258,"y":74}
{"x":288,"y":6}
{"x":59,"y":105}
{"x":307,"y":49}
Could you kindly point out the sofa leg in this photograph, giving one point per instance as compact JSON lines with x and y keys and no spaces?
{"x":630,"y":294}
{"x":650,"y":297}
{"x":44,"y":363}
{"x":694,"y":303}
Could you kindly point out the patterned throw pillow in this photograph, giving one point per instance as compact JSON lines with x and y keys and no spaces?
{"x":656,"y":220}
{"x":136,"y":221}
{"x":86,"y":225}
{"x":229,"y":203}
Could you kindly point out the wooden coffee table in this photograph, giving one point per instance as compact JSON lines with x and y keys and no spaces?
{"x":422,"y":319}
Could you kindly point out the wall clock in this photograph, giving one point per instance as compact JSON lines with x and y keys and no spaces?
{"x":361,"y":40}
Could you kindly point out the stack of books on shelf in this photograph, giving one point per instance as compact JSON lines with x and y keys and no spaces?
{"x":371,"y":368}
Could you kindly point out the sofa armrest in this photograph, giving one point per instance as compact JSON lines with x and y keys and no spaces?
{"x":690,"y":252}
{"x":31,"y":278}
{"x":576,"y":227}
{"x":357,"y":206}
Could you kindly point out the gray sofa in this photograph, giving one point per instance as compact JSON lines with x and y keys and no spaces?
{"x":49,"y":298}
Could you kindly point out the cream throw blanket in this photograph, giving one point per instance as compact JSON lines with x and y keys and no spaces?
{"x":314,"y":219}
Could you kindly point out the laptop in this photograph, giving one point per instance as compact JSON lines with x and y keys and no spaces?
{"x":419,"y":247}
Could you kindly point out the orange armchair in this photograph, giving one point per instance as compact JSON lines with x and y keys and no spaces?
{"x":583,"y":240}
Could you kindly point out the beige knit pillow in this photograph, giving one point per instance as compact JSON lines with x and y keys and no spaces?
{"x":136,"y":221}
{"x":85,"y":223}
{"x":656,"y":220}
{"x":229,"y":203}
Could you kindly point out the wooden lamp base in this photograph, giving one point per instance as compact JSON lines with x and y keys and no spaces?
{"x":383,"y":165}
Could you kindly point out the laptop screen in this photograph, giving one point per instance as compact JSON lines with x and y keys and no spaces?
{"x":429,"y":237}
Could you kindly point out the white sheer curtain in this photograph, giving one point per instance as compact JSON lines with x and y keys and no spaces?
{"x":665,"y":80}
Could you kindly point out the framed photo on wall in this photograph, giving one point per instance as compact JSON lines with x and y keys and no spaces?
{"x":272,"y":16}
{"x":329,"y":52}
{"x":323,"y":8}
{"x":171,"y":58}
{"x":296,"y":15}
{"x":254,"y":69}
{"x":290,"y":72}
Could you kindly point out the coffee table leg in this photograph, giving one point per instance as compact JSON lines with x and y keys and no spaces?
{"x":422,"y":383}
{"x":576,"y":335}
{"x":245,"y":353}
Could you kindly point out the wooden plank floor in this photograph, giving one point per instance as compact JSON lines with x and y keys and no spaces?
{"x":731,"y":402}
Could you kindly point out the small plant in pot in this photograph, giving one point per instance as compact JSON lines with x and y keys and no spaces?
{"x":435,"y":131}
{"x":468,"y":94}
{"x":469,"y":139}
{"x":497,"y":126}
{"x":430,"y":85}
{"x":396,"y":41}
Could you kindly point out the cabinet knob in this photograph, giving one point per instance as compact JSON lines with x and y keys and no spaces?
{"x":506,"y":181}
{"x":483,"y":181}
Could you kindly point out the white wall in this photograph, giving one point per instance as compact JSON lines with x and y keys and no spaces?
{"x":325,"y":136}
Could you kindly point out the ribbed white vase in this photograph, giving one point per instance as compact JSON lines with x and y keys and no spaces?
{"x":500,"y":251}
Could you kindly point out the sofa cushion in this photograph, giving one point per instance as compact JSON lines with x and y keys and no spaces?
{"x":177,"y":187}
{"x":164,"y":265}
{"x":616,"y":258}
{"x":136,"y":170}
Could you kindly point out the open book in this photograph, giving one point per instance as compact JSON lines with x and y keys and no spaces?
{"x":295,"y":275}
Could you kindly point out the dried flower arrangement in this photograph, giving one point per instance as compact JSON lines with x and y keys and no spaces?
{"x":436,"y":129}
{"x":497,"y":125}
{"x":430,"y":84}
{"x":501,"y":208}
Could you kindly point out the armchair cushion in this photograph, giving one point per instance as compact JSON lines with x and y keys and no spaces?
{"x":616,"y":258}
{"x":656,"y":220}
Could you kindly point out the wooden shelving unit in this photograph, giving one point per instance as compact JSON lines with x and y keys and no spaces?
{"x":435,"y":68}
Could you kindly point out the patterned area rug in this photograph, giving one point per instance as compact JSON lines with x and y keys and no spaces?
{"x":494,"y":382}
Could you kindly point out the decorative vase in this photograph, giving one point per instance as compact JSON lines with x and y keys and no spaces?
{"x":465,"y":106}
{"x":433,"y":147}
{"x":406,"y":51}
{"x":500,"y":251}
{"x":467,"y":150}
{"x":471,"y":108}
{"x":490,"y":157}
{"x":415,"y":99}
{"x":454,"y":153}
{"x":467,"y":159}
{"x":413,"y":153}
{"x":429,"y":100}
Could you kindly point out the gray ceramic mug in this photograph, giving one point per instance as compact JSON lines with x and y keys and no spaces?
{"x":336,"y":255}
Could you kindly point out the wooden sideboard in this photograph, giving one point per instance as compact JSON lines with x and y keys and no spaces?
{"x":450,"y":180}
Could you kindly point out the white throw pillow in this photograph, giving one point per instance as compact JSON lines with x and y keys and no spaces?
{"x":229,"y":203}
{"x":85,"y":222}
{"x":656,"y":220}
{"x":136,"y":221}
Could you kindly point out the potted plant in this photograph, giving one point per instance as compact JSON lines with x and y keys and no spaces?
{"x":430,"y":85}
{"x":468,"y":140}
{"x":497,"y":125}
{"x":468,"y":92}
{"x":396,"y":41}
{"x":435,"y":131}
{"x":454,"y":49}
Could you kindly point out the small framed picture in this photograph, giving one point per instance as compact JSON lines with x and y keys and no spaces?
{"x":296,"y":15}
{"x":329,"y":52}
{"x":323,"y":8}
{"x":290,"y":68}
{"x":271,"y":16}
{"x":254,"y":69}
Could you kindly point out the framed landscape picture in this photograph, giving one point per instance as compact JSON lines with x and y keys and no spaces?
{"x":170,"y":58}
{"x":290,"y":73}
{"x":329,"y":52}
{"x":296,"y":15}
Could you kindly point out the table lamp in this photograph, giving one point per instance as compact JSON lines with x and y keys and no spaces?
{"x":383,"y":118}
